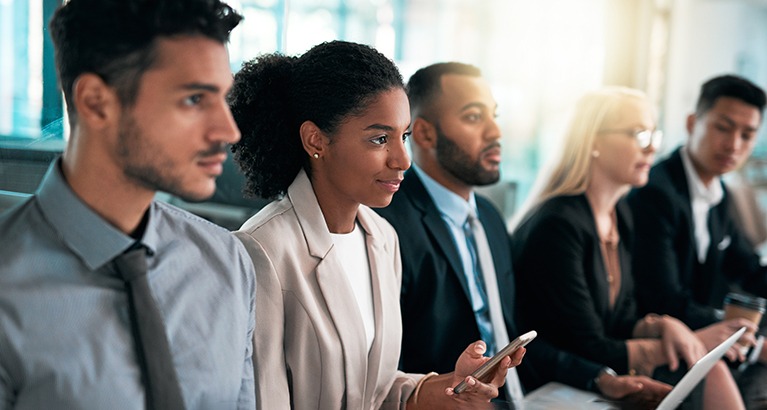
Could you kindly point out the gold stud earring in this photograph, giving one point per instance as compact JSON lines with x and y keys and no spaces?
{"x":316,"y":156}
{"x":595,"y":154}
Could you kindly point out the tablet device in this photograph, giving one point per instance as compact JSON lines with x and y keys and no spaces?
{"x":697,"y":372}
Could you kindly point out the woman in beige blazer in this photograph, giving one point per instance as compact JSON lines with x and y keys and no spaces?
{"x":325,"y":133}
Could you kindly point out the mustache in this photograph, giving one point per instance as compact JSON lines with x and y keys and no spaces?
{"x":217,"y":149}
{"x":492,"y":146}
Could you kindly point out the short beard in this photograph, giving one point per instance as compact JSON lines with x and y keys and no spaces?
{"x":147,"y":167}
{"x":458,"y":163}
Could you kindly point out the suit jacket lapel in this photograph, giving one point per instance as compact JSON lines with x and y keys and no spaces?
{"x":435,"y":225}
{"x":716,"y":231}
{"x":600,"y":270}
{"x":711,"y":280}
{"x":334,"y":286}
{"x":625,"y":227}
{"x":717,"y":219}
{"x":678,"y":179}
{"x":376,"y":248}
{"x":491,"y":241}
{"x":505,"y":284}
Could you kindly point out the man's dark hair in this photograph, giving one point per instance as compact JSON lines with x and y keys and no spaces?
{"x":425,"y":85}
{"x":116,"y":39}
{"x":729,"y":86}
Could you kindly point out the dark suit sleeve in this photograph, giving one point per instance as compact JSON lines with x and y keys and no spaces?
{"x":554,"y":293}
{"x":659,"y":281}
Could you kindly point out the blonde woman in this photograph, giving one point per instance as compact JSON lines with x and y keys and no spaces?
{"x":571,"y":251}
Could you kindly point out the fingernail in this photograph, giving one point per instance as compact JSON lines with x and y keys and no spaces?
{"x":472,"y":381}
{"x":479,"y":348}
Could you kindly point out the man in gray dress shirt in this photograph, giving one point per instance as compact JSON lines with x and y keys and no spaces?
{"x":145,"y":85}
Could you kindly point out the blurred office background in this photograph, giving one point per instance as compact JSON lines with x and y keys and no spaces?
{"x":539,"y":56}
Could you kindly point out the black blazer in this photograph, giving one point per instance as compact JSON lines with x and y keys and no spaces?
{"x":562,"y":281}
{"x":437,"y":319}
{"x":668,"y":275}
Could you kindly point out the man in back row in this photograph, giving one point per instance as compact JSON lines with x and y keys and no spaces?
{"x":457,"y":282}
{"x":109,"y":299}
{"x":690,"y":251}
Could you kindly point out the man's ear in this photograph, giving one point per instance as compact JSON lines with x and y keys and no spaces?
{"x":691,"y":123}
{"x":313,"y":139}
{"x":424,"y":133}
{"x":96,"y":102}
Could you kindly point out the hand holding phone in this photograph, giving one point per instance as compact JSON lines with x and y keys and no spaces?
{"x":489,"y":365}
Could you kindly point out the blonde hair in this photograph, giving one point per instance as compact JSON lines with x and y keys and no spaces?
{"x":571,"y":171}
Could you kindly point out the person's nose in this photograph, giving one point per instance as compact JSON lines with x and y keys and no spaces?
{"x":223,"y":128}
{"x":493,"y":131}
{"x":732,"y":141}
{"x":398,"y":157}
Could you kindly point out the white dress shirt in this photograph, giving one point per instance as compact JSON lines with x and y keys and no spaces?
{"x":702,"y":199}
{"x":357,"y":269}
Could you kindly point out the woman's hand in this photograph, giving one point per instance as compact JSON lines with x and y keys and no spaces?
{"x":480,"y":390}
{"x":437,"y":392}
{"x":713,"y":335}
{"x":679,"y":342}
{"x":641,"y":391}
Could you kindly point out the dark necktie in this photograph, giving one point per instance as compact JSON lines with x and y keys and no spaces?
{"x":162,"y":389}
{"x":486,"y":267}
{"x":486,"y":325}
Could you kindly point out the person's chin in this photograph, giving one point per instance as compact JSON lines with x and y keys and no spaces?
{"x":381,"y":202}
{"x":725,"y":169}
{"x":723,"y":166}
{"x":639,"y":182}
{"x":489,"y":178}
{"x":197,"y":194}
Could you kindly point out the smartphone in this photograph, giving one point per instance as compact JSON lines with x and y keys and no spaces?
{"x":488,"y":366}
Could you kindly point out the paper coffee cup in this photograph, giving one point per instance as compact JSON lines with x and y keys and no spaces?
{"x":751,"y":308}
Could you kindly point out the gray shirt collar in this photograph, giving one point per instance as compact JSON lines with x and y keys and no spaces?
{"x":87,"y":234}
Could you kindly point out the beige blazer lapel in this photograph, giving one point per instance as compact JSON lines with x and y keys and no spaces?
{"x":384,"y":264}
{"x":375,"y":248}
{"x":335,"y":289}
{"x":348,"y":323}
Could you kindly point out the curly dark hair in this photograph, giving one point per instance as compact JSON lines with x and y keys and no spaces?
{"x":274,"y":94}
{"x":116,"y":39}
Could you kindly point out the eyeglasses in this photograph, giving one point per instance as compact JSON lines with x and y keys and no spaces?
{"x":645,"y":138}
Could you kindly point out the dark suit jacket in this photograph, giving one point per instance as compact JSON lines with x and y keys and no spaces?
{"x":563,"y":289}
{"x":668,"y":275}
{"x":437,"y":319}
